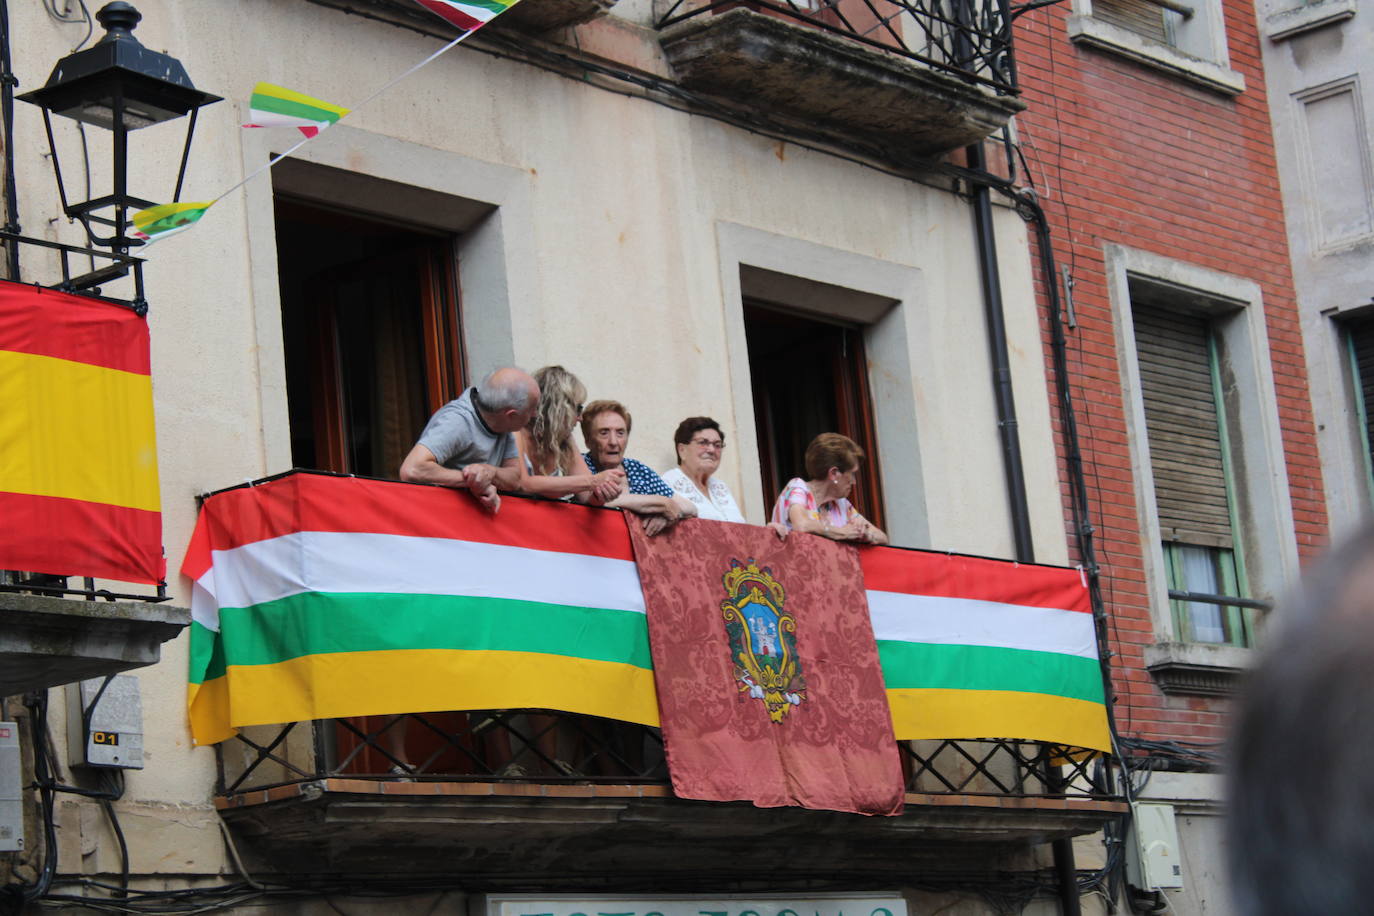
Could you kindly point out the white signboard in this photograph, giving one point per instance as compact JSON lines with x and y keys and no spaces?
{"x":689,"y":905}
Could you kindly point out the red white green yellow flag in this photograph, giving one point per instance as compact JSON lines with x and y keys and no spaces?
{"x":277,"y":106}
{"x":78,"y":456}
{"x":317,"y":596}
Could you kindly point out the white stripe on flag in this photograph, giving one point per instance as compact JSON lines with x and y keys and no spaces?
{"x":327,"y":561}
{"x":903,"y":617}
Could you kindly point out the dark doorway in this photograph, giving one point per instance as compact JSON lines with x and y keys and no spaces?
{"x":371,"y":329}
{"x":810,"y":376}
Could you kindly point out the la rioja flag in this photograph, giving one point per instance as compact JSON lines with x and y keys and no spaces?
{"x":769,"y":685}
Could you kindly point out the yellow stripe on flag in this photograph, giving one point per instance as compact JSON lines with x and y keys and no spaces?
{"x":291,"y":95}
{"x":77,"y":431}
{"x":918,"y":714}
{"x":341,"y":684}
{"x":207,"y":707}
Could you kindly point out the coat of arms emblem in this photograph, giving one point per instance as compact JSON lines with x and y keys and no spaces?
{"x":763,"y":639}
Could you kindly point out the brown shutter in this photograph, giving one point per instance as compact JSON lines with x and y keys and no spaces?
{"x":1183,"y":427}
{"x":1139,"y":16}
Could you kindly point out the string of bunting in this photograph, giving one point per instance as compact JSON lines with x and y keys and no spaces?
{"x":277,"y":106}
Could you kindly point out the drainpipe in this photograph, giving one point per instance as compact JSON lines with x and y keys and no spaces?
{"x":7,"y":84}
{"x":1065,"y":870}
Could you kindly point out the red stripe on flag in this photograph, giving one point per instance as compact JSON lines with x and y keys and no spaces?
{"x":45,"y":322}
{"x":310,"y":131}
{"x":918,"y":572}
{"x":317,"y":502}
{"x":452,"y":14}
{"x":72,"y":537}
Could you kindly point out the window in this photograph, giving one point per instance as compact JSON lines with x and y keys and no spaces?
{"x":1184,"y":38}
{"x":1203,"y":427}
{"x":809,"y":377}
{"x":1359,"y":340}
{"x":1186,"y":425}
{"x":370,"y":329}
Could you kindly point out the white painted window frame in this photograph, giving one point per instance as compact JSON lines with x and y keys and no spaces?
{"x":1199,"y":55}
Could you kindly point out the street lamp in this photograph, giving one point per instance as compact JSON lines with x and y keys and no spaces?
{"x":119,"y":85}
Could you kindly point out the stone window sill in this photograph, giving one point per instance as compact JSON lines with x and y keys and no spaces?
{"x":1094,"y":33}
{"x":1197,"y":669}
{"x":1287,"y":23}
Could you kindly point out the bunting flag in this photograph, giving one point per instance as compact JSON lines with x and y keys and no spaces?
{"x":319,"y":596}
{"x":164,"y":220}
{"x":467,"y":14}
{"x":769,"y":688}
{"x":78,"y":457}
{"x":276,"y":106}
{"x":978,"y":648}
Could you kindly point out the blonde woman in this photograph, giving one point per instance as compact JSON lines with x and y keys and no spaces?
{"x":552,"y":466}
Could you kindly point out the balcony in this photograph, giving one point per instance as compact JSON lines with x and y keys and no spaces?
{"x":378,"y":666}
{"x":318,"y":799}
{"x":917,"y":76}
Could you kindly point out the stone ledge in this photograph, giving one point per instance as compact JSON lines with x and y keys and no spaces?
{"x":1197,"y":669}
{"x":1305,"y":17}
{"x":830,"y":83}
{"x":1104,"y":36}
{"x":45,"y":642}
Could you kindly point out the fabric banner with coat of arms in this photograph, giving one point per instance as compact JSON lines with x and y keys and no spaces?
{"x":769,"y":683}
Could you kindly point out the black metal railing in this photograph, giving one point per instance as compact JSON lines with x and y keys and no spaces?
{"x":535,"y":746}
{"x":970,"y":39}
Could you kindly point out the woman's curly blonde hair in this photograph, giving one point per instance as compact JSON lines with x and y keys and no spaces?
{"x":560,"y":396}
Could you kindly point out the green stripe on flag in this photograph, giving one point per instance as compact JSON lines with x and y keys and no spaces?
{"x":496,"y":6}
{"x":315,"y":623}
{"x":933,"y":666}
{"x":207,"y":654}
{"x":292,"y":109}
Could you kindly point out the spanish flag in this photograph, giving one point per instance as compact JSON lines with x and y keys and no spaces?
{"x":78,"y":457}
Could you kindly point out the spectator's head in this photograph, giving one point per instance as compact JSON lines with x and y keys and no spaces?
{"x":507,"y":398}
{"x":834,"y":460}
{"x":606,"y":430}
{"x":1301,"y":771}
{"x":699,"y":445}
{"x":561,"y":396}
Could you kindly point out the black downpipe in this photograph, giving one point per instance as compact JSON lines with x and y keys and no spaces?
{"x":1001,"y":362}
{"x":1066,"y":872}
{"x":7,"y":85}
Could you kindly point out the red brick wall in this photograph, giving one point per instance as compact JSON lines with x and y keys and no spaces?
{"x":1124,"y":153}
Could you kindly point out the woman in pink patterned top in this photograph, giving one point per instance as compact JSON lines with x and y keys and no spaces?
{"x":819,"y":505}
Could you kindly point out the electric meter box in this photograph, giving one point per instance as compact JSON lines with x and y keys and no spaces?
{"x":1153,"y":857}
{"x":110,"y":732}
{"x":11,"y":786}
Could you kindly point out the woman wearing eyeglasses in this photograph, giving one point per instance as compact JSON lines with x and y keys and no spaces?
{"x":820,"y":505}
{"x":699,"y":446}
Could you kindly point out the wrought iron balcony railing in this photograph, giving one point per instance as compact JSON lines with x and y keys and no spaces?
{"x":535,"y":746}
{"x":968,"y":39}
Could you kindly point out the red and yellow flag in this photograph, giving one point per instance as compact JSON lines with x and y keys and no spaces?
{"x":78,"y":457}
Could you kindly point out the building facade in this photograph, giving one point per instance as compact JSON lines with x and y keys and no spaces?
{"x":1148,"y":143}
{"x":766,"y":216}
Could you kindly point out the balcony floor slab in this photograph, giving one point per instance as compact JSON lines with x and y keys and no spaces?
{"x":615,"y":837}
{"x":831,"y":83}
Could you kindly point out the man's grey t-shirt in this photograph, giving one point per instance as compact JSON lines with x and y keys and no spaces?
{"x":458,"y":436}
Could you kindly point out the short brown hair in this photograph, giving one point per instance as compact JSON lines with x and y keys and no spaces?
{"x":831,"y":450}
{"x":596,"y":409}
{"x":693,"y":425}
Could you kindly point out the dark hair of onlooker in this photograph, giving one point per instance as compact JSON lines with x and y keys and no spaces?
{"x":1301,"y":779}
{"x":595,"y":409}
{"x":690,"y":427}
{"x":831,"y":450}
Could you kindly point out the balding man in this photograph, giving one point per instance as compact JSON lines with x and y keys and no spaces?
{"x":470,"y":444}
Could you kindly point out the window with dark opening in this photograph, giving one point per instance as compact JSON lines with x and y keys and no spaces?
{"x":371,"y":330}
{"x":810,"y":376}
